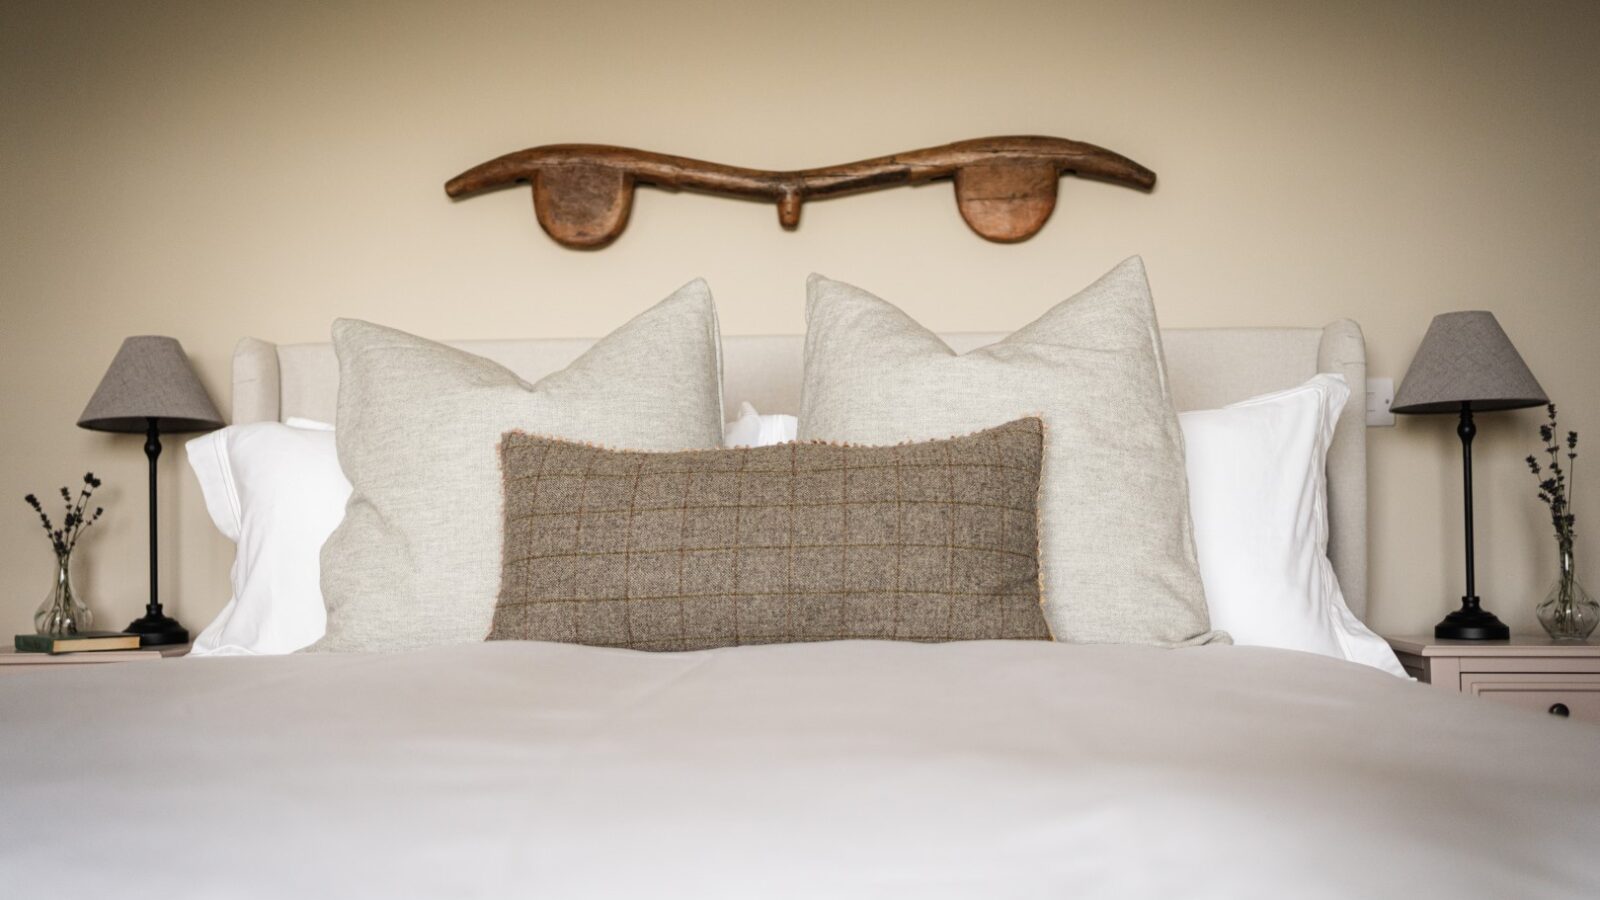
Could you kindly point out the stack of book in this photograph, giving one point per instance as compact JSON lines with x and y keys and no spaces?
{"x":85,"y":647}
{"x":82,"y":642}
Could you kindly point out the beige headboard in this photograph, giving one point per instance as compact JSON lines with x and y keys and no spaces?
{"x":1207,"y":367}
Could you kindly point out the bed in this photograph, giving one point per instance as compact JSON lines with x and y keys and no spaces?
{"x":834,"y":769}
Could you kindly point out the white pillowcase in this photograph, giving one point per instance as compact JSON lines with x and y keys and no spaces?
{"x":1258,"y":494}
{"x":277,"y":492}
{"x":752,"y":429}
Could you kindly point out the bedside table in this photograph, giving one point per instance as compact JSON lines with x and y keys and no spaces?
{"x":1561,"y":678}
{"x":12,"y":662}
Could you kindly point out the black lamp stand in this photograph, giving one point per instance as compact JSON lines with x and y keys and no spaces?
{"x":155,"y":628}
{"x":1471,"y":622}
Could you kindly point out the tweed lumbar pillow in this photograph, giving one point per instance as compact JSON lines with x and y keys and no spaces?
{"x":416,"y":561}
{"x":797,"y":542}
{"x":1117,"y":547}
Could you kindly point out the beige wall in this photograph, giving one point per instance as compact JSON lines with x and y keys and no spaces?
{"x":211,"y":170}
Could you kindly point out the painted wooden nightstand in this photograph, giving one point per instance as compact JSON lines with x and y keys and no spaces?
{"x":12,"y":662}
{"x":1556,"y":677}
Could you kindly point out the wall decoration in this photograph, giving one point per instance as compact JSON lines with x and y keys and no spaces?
{"x":1005,"y":186}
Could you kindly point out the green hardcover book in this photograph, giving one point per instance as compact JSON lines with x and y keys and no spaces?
{"x":82,"y":642}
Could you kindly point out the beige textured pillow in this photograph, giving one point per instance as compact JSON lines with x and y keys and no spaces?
{"x":416,"y":561}
{"x":1116,"y":544}
{"x":795,"y":542}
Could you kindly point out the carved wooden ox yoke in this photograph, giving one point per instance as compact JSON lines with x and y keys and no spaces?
{"x":1005,"y":186}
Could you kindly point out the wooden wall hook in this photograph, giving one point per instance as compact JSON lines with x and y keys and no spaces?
{"x":1005,"y":186}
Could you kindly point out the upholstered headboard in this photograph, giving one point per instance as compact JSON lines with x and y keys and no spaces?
{"x":1206,"y":368}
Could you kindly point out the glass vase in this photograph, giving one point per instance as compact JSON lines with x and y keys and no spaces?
{"x":1568,"y":613}
{"x":63,"y":612}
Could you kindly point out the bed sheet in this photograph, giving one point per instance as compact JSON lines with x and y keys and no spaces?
{"x":849,"y":769}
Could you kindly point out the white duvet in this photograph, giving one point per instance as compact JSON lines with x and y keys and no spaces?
{"x":856,"y":769}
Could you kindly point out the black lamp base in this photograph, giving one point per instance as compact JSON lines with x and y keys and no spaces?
{"x":157,"y":630}
{"x":1471,"y":623}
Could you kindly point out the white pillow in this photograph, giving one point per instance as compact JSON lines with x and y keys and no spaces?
{"x":1258,"y":494}
{"x":752,"y":429}
{"x":277,"y":492}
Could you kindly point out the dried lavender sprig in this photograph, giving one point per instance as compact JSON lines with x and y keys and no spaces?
{"x":74,"y":520}
{"x":1554,"y":487}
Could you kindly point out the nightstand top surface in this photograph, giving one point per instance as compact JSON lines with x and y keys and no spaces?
{"x":10,"y":657}
{"x":1518,"y":645}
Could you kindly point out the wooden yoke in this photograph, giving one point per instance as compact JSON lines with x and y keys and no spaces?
{"x":1005,"y":186}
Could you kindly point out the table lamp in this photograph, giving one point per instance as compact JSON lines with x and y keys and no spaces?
{"x":1466,"y":364}
{"x":151,"y":389}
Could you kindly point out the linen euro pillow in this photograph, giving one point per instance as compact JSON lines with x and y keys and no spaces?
{"x":933,"y":541}
{"x":416,"y":561}
{"x":1117,"y":551}
{"x":1259,"y":489}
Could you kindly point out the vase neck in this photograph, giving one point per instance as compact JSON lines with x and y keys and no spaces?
{"x":1566,"y":562}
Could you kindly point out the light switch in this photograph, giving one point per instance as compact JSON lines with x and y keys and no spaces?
{"x":1380,"y":396}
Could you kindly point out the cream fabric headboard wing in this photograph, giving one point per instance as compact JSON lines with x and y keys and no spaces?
{"x":1206,"y":368}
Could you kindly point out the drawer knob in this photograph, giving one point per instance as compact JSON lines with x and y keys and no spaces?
{"x":1560,"y":709}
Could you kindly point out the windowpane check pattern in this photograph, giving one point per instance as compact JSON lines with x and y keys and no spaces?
{"x":932,"y":541}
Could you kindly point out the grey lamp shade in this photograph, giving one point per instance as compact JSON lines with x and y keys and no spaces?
{"x":1466,"y":358}
{"x":150,"y":378}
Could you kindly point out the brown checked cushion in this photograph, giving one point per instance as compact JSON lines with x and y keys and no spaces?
{"x":933,"y":541}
